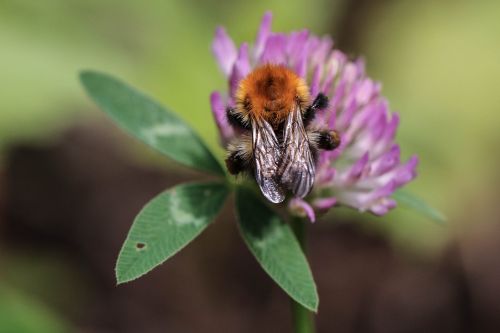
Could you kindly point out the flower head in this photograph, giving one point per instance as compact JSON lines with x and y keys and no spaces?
{"x":366,"y":169}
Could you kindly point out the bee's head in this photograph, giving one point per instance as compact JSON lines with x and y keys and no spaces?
{"x":271,"y":92}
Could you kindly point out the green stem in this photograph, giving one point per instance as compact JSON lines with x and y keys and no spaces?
{"x":302,"y":319}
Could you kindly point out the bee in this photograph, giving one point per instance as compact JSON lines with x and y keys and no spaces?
{"x":276,"y":142}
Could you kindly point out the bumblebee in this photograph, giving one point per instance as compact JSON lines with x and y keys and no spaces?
{"x":273,"y":112}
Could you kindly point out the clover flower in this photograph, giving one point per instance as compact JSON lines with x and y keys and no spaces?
{"x":366,"y":169}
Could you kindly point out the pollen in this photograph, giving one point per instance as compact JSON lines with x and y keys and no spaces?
{"x":271,"y":92}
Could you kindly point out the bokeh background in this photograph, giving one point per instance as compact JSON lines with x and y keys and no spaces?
{"x":71,"y":183}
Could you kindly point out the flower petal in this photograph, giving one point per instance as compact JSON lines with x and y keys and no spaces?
{"x":301,"y":208}
{"x":365,"y":169}
{"x":297,"y":51}
{"x":383,"y":207}
{"x":264,"y":31}
{"x":407,"y":172}
{"x":241,"y":68}
{"x":325,"y":175}
{"x":387,"y":161}
{"x":316,"y":79}
{"x":358,"y":169}
{"x":324,"y":204}
{"x":219,"y":113}
{"x":275,"y":50}
{"x":319,"y":49}
{"x":224,"y":50}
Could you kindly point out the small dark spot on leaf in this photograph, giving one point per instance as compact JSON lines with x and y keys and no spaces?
{"x":140,"y":246}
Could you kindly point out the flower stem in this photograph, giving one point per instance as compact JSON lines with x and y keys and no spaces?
{"x":302,"y":319}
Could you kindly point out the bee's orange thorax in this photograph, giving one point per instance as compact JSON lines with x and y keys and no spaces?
{"x":271,"y":92}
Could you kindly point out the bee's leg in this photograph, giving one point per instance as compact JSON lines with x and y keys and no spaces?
{"x":236,"y":121}
{"x":239,"y":155}
{"x":319,"y":103}
{"x":323,"y":139}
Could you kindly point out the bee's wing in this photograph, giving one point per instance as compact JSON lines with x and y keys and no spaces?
{"x":297,"y":168}
{"x":267,"y":155}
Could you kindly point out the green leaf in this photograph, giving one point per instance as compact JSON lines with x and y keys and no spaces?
{"x":413,"y":202}
{"x":147,"y":120}
{"x":275,"y":247}
{"x":166,"y":224}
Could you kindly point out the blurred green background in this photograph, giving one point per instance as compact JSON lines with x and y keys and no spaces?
{"x":439,"y":63}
